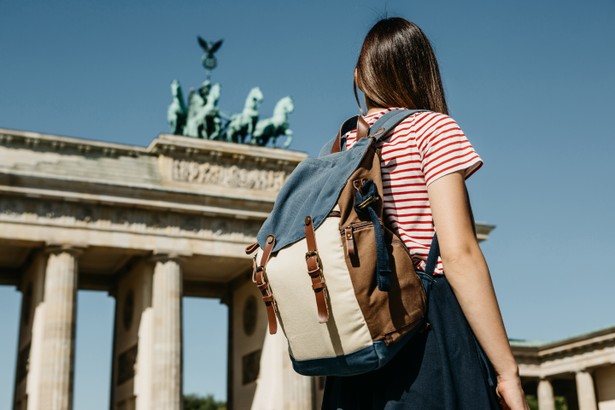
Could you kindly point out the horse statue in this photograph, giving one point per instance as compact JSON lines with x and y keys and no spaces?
{"x":210,"y":115}
{"x":177,"y":112}
{"x":196,"y":101}
{"x":241,"y":125}
{"x":270,"y":129}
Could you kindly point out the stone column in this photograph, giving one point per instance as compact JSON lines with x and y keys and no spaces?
{"x":167,"y":351}
{"x":298,"y":391}
{"x":546,"y":400}
{"x":58,"y":341}
{"x":585,"y":390}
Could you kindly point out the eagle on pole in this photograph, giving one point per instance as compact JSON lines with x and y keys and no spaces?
{"x":209,"y":59}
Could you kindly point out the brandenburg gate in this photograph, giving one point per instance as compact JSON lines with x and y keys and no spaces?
{"x":149,"y":226}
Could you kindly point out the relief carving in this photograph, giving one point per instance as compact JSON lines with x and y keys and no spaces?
{"x":230,"y":176}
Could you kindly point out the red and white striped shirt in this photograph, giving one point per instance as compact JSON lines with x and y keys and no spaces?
{"x":422,"y":148}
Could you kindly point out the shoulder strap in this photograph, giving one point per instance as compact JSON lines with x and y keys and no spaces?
{"x":380,"y":128}
{"x":338,"y":144}
{"x":388,"y":122}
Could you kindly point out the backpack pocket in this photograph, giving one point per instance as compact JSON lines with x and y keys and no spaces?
{"x":345,"y":331}
{"x":389,"y":314}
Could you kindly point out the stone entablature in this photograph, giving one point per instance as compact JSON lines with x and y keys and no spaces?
{"x":73,"y":181}
{"x":172,"y":163}
{"x":565,"y":356}
{"x":202,"y":199}
{"x":580,"y":369}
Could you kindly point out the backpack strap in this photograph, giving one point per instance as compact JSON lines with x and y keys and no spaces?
{"x":388,"y":122}
{"x":380,"y":128}
{"x":338,"y":143}
{"x":259,"y":276}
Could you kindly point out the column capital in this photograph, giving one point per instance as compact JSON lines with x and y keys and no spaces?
{"x":585,"y":390}
{"x":546,"y":399}
{"x":166,"y":256}
{"x":56,"y":248}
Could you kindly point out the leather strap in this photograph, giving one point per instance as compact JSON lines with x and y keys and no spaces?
{"x":314,"y":266}
{"x":251,"y":248}
{"x":348,"y":125}
{"x":349,"y":235}
{"x":362,"y":128}
{"x":260,"y":278}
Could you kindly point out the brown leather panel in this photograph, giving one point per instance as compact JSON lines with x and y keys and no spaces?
{"x":389,"y":315}
{"x":314,"y":265}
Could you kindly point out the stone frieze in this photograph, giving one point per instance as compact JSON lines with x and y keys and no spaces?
{"x":231,"y":176}
{"x":164,"y":222}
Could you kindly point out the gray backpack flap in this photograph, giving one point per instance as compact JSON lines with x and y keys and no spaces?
{"x":340,"y":283}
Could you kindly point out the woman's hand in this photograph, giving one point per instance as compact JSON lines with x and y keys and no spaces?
{"x":510,"y":393}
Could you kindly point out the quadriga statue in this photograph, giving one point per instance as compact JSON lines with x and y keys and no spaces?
{"x":177,"y":112}
{"x":243,"y":124}
{"x":270,"y":129}
{"x":203,"y":113}
{"x":212,"y":125}
{"x":196,"y":101}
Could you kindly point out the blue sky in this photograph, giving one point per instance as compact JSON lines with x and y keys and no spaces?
{"x":531,"y":83}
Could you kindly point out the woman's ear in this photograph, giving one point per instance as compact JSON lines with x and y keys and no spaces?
{"x":356,"y":76}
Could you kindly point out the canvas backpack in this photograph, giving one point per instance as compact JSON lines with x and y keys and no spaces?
{"x":339,"y":282}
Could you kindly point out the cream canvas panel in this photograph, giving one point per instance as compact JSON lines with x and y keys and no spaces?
{"x":346,"y":331}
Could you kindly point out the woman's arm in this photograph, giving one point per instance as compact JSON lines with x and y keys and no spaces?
{"x":468,"y":275}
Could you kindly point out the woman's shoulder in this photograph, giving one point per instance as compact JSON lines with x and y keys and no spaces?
{"x":426,"y":120}
{"x":421,"y":124}
{"x":427,"y":124}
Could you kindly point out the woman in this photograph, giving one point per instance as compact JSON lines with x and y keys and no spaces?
{"x":425,"y":161}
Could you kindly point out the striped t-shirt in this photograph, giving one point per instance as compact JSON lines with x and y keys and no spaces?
{"x":422,"y":148}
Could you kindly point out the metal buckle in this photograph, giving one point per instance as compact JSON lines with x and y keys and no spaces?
{"x":367,"y":202}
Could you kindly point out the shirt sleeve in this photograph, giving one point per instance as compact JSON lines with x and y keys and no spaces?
{"x":443,"y":147}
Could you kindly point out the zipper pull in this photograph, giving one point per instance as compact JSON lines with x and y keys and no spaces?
{"x":348,"y":234}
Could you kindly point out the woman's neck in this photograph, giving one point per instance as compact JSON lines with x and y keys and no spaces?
{"x":372,"y":110}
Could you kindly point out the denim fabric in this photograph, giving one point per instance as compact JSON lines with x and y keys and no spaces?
{"x":315,"y":186}
{"x":442,"y":368}
{"x":367,"y":359}
{"x":312,"y":189}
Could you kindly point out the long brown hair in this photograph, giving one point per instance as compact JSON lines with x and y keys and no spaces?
{"x":397,"y":68}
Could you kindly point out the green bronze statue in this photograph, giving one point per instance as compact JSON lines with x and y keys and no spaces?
{"x":241,"y":125}
{"x":201,"y":117}
{"x":270,"y":129}
{"x":196,"y":101}
{"x":177,"y":112}
{"x":210,"y":115}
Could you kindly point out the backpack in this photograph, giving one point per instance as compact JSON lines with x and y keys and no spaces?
{"x":339,"y":282}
